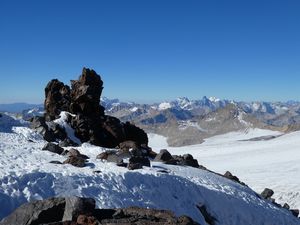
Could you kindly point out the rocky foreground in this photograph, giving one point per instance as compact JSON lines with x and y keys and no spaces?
{"x":81,"y":211}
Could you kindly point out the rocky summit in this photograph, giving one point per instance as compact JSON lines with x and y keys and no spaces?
{"x":87,"y":116}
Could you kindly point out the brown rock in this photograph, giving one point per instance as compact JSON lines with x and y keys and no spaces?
{"x":57,"y":99}
{"x":89,"y":123}
{"x":76,"y":153}
{"x":51,"y":147}
{"x":87,"y":220}
{"x":75,"y":161}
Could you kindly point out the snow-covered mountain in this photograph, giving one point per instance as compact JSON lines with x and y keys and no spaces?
{"x":181,"y":103}
{"x":199,"y":119}
{"x":206,"y":104}
{"x":26,"y":174}
{"x":187,"y":122}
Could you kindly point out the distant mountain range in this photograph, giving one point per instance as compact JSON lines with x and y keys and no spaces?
{"x":18,"y":107}
{"x":187,"y":122}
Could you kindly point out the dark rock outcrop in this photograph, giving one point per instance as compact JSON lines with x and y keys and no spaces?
{"x":51,"y":147}
{"x":89,"y":123}
{"x":76,"y":153}
{"x":57,"y":99}
{"x":50,"y":132}
{"x":286,"y":206}
{"x":75,"y":161}
{"x":39,"y":124}
{"x":295,"y":212}
{"x":267,"y":193}
{"x":81,"y":211}
{"x":185,"y":160}
{"x":137,"y":162}
{"x":67,"y":142}
{"x":163,"y":156}
{"x":38,"y":212}
{"x":76,"y":206}
{"x":55,"y":162}
{"x":207,"y":216}
{"x":128,"y":145}
{"x":103,"y":155}
{"x":229,"y":176}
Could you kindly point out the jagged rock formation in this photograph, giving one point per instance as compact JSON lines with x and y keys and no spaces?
{"x":89,"y":121}
{"x":57,"y":99}
{"x":81,"y":211}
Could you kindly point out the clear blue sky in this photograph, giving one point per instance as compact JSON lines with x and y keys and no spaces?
{"x":151,"y":50}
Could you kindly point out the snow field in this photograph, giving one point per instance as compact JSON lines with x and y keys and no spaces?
{"x":26,"y":175}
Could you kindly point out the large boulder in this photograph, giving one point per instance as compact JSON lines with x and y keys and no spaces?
{"x":229,"y":176}
{"x":50,"y":131}
{"x":76,"y":206}
{"x":75,"y":161}
{"x":163,"y":156}
{"x":267,"y":193}
{"x":295,"y":212}
{"x":137,"y":162}
{"x":81,"y":211}
{"x":54,"y":148}
{"x":135,"y":133}
{"x":38,"y":123}
{"x":38,"y":212}
{"x":188,"y":160}
{"x":89,"y":121}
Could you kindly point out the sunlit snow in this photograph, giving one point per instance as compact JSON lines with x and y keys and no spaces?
{"x":26,"y":175}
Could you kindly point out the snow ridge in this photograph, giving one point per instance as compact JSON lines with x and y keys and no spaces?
{"x":26,"y":175}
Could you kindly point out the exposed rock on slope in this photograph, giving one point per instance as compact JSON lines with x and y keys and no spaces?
{"x":88,"y":119}
{"x":81,"y":211}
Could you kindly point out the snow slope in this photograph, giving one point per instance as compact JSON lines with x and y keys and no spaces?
{"x":26,"y":174}
{"x":273,"y":163}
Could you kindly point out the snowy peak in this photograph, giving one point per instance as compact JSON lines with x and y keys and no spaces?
{"x":184,"y":103}
{"x":214,"y":99}
{"x":164,"y":106}
{"x":112,"y":105}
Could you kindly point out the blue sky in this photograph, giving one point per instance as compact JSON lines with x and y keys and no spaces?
{"x":153,"y":50}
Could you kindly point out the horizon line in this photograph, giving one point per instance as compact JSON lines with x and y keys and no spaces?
{"x":139,"y":101}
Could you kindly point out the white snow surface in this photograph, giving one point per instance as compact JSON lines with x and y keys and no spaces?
{"x":164,"y":105}
{"x":214,"y":99}
{"x":271,"y":163}
{"x":26,"y":175}
{"x":184,"y":124}
{"x":134,"y":109}
{"x":62,"y":122}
